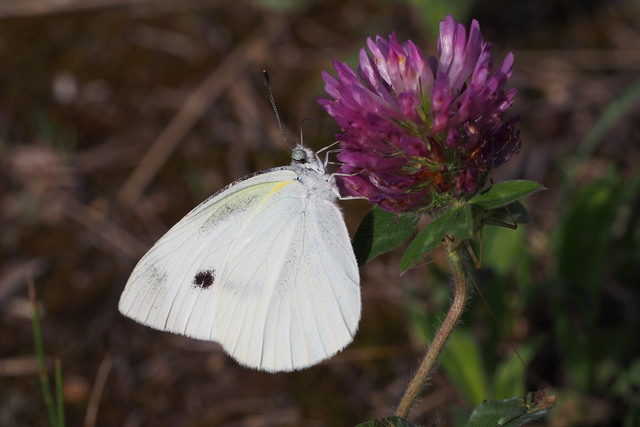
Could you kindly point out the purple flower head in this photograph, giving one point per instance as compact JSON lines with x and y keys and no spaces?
{"x":414,"y":129}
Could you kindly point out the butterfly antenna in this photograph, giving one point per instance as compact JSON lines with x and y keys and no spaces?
{"x":267,"y":85}
{"x":301,"y":129}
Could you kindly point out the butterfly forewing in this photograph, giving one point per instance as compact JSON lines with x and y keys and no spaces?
{"x":163,"y":290}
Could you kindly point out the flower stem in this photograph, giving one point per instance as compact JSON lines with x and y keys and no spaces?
{"x":439,"y":340}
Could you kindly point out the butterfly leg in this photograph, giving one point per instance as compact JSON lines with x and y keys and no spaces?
{"x":335,"y":188}
{"x":326,"y":157}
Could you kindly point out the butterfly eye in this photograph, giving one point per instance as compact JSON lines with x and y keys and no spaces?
{"x":298,"y":155}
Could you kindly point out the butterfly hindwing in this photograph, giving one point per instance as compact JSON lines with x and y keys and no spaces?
{"x":301,"y":302}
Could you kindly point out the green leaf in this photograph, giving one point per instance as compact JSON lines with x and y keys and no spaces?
{"x":512,"y":412}
{"x":503,"y":193}
{"x":505,"y":252}
{"x":510,"y":375}
{"x":586,"y":234}
{"x":462,"y":226}
{"x":430,"y":237}
{"x":388,"y":422}
{"x":587,"y":255}
{"x":381,"y":231}
{"x":462,"y":362}
{"x":618,"y":108}
{"x":514,"y":211}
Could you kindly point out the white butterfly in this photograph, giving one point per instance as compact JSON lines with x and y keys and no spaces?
{"x":265,"y":267}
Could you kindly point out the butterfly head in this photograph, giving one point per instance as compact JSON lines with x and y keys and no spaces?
{"x":305,"y":158}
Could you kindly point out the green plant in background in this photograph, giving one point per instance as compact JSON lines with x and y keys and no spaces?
{"x":419,"y":138}
{"x":432,"y":12}
{"x":596,"y":246}
{"x":49,"y":130}
{"x":54,"y":407}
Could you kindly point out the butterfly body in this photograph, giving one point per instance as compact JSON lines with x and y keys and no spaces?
{"x":264,"y":267}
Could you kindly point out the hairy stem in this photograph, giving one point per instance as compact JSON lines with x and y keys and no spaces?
{"x":451,"y":320}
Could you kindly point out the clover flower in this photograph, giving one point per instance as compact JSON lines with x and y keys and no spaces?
{"x":415,"y":132}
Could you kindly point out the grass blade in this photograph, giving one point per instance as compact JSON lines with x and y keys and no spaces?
{"x":59,"y":395}
{"x":42,"y":366}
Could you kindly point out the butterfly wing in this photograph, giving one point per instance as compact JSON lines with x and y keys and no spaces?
{"x":182,"y":267}
{"x":259,"y":267}
{"x":299,"y":303}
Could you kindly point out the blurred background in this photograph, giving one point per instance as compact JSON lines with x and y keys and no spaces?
{"x":119,"y":116}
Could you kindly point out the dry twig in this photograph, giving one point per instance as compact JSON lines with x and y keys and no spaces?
{"x":96,"y":391}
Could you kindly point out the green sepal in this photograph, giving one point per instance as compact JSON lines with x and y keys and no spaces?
{"x":457,"y":221}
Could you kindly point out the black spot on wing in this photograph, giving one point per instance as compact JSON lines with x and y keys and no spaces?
{"x":204,"y":279}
